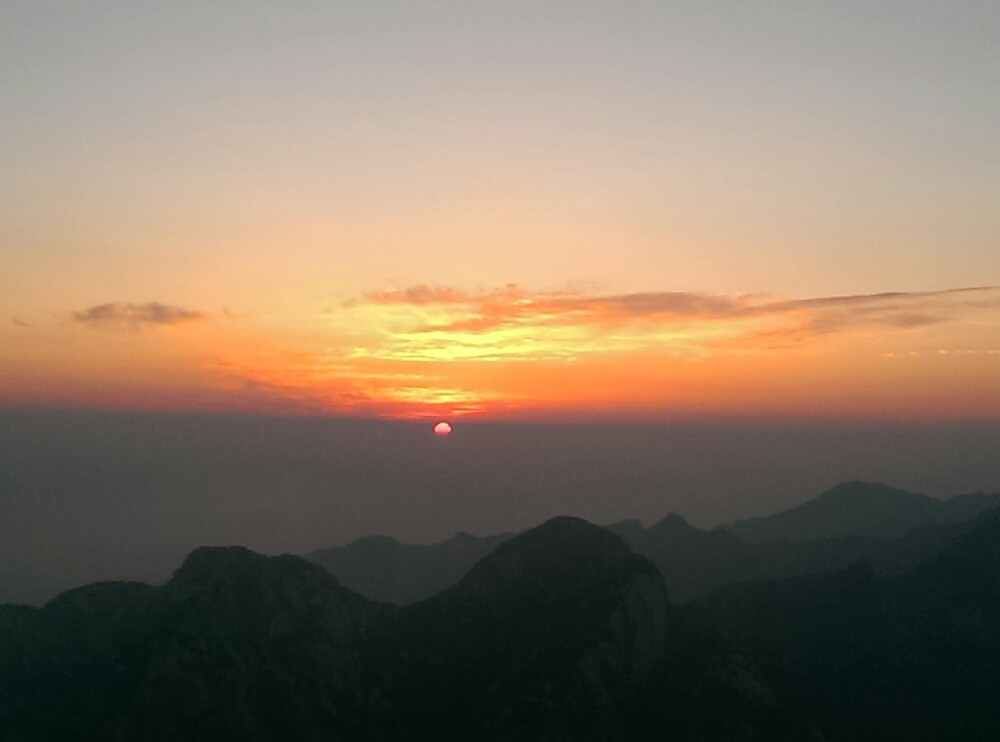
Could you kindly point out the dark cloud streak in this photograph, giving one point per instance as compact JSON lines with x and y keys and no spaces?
{"x":135,"y":315}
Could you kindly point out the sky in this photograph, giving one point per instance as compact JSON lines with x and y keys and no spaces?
{"x":533,"y":211}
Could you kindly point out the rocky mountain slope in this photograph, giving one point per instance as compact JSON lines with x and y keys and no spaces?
{"x":560,"y":633}
{"x":563,"y":632}
{"x":912,"y":657}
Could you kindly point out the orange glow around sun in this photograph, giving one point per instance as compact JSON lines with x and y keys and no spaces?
{"x":432,"y":353}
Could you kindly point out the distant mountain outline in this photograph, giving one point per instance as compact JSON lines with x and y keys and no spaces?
{"x":890,"y":528}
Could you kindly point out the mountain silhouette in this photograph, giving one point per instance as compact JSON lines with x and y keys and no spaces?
{"x":559,"y":633}
{"x":563,"y":632}
{"x":695,"y":561}
{"x":861,"y":509}
{"x":563,"y":629}
{"x":914,"y":657}
{"x":556,"y":630}
{"x":235,"y":646}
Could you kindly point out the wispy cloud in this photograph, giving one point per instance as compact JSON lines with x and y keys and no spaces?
{"x":423,"y":294}
{"x":500,"y":306}
{"x":513,"y":323}
{"x":135,"y":315}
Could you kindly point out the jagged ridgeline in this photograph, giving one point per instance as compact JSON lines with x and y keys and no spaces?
{"x":561,"y":633}
{"x":891,"y":529}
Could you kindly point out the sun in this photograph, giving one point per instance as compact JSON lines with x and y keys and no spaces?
{"x":442,"y":428}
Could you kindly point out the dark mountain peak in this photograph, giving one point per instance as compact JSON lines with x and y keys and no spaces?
{"x":561,"y":617}
{"x":861,"y":509}
{"x":858,"y":491}
{"x":567,"y":534}
{"x":569,"y":528}
{"x":237,"y":586}
{"x":237,"y":562}
{"x":238,"y":568}
{"x":461,"y":537}
{"x":210,"y":559}
{"x":559,"y":546}
{"x":570,"y":572}
{"x":672,"y":524}
{"x":674,"y":532}
{"x":676,"y":518}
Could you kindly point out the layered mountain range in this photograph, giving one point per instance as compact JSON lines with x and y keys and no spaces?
{"x":563,"y":632}
{"x":892,"y":529}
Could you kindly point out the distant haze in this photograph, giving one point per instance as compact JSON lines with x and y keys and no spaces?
{"x":91,"y":496}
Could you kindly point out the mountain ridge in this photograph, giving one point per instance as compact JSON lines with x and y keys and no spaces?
{"x":862,"y":509}
{"x":560,"y":633}
{"x":693,"y":561}
{"x":913,"y":655}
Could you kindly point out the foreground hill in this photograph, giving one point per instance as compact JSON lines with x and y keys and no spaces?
{"x":235,"y":646}
{"x":563,"y":634}
{"x":560,"y":633}
{"x":914,"y":657}
{"x":862,"y":509}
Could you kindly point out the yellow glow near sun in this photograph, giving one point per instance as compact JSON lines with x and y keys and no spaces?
{"x":514,"y":331}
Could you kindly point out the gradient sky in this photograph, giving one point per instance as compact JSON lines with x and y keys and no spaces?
{"x":557,"y":210}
